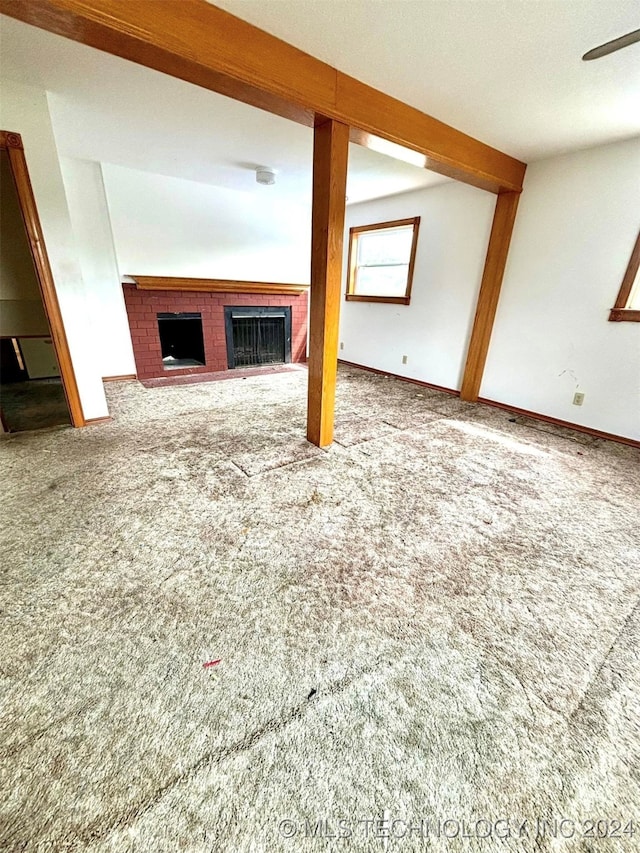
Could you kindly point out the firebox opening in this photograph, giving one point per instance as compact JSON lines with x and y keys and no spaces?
{"x":257,"y":336}
{"x":181,"y":340}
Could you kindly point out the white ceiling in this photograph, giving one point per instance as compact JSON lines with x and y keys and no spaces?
{"x":110,"y":110}
{"x":508,"y":72}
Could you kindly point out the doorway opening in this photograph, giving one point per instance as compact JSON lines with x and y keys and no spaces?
{"x":35,"y":391}
{"x":31,"y":392}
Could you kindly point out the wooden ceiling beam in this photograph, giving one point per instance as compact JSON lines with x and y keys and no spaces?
{"x":202,"y":44}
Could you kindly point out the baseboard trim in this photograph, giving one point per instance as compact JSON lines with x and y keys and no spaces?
{"x":97,"y":421}
{"x":596,"y":433}
{"x":124,"y":378}
{"x":422,"y":384}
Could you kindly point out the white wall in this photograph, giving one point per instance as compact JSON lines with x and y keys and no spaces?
{"x":24,"y":110}
{"x":92,"y":229}
{"x":576,"y":226}
{"x":174,"y":227}
{"x":433,"y":331}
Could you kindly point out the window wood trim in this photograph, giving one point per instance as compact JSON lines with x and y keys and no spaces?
{"x":350,"y":296}
{"x":620,"y":311}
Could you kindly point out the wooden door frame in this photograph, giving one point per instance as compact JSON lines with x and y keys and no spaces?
{"x":12,"y":144}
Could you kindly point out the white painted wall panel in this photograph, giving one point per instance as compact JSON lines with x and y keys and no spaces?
{"x":577,"y":223}
{"x":92,"y":229}
{"x":173,"y":227}
{"x":433,"y":331}
{"x":24,"y":110}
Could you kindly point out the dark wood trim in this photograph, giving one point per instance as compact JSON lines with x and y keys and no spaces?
{"x":12,"y":143}
{"x":630,"y":315}
{"x":215,"y":285}
{"x":97,"y":421}
{"x":620,"y":311}
{"x":127,"y":377}
{"x":494,"y":267}
{"x":596,"y":433}
{"x":330,"y":153}
{"x":505,"y":406}
{"x":393,"y":300}
{"x":20,"y":337}
{"x":379,"y":226}
{"x":352,"y":267}
{"x":10,"y":140}
{"x":412,"y":257}
{"x":419,"y":382}
{"x":202,"y":44}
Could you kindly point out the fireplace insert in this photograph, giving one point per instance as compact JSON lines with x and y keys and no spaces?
{"x":181,"y":340}
{"x":258,"y":336}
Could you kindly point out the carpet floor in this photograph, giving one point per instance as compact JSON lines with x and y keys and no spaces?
{"x":427,"y":635}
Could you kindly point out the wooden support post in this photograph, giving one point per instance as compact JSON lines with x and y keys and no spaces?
{"x":494,"y":265}
{"x":330,"y":152}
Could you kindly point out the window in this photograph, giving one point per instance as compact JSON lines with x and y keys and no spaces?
{"x":381,"y":260}
{"x":627,"y":305}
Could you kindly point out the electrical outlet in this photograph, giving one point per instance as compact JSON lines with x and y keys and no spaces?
{"x":578,"y":398}
{"x":341,"y":345}
{"x":404,"y":359}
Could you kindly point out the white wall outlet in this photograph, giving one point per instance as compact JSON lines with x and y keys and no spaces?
{"x":578,"y":398}
{"x":404,"y":359}
{"x":341,"y":345}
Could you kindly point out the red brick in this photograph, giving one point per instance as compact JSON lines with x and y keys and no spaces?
{"x":143,"y":307}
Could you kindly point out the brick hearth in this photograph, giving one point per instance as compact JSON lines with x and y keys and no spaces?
{"x":143,"y":307}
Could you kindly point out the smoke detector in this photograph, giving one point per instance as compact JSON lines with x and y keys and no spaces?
{"x":265,"y":176}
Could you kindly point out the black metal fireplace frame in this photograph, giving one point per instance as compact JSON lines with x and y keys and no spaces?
{"x":232,"y":312}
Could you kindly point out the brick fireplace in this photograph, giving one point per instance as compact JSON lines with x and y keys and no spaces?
{"x":174,"y":323}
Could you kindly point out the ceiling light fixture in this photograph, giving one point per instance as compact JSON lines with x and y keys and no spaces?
{"x":398,"y":152}
{"x":265,"y":176}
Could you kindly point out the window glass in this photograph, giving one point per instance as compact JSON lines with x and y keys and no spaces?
{"x":381,"y":260}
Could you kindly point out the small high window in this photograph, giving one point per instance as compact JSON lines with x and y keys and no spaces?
{"x":381,"y":261}
{"x":627,"y":305}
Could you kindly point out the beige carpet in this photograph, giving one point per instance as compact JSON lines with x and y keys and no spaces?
{"x":428,"y":632}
